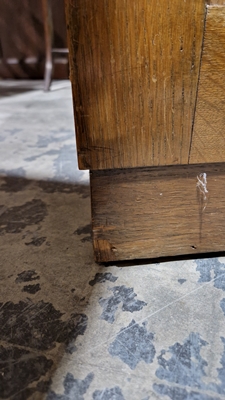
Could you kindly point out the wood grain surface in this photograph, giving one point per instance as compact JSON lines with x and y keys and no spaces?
{"x":155,"y":212}
{"x":208,"y":144}
{"x":134,"y":71}
{"x":216,"y":2}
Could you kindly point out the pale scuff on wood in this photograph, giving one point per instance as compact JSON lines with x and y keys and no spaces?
{"x":202,"y":184}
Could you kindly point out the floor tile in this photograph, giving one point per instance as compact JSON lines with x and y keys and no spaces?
{"x":73,"y":329}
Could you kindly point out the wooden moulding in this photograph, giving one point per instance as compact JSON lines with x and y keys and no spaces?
{"x":155,"y":212}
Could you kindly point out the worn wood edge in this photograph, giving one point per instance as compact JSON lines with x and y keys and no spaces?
{"x":71,"y":27}
{"x":68,"y":15}
{"x":207,"y":143}
{"x":215,"y":3}
{"x":105,"y":249}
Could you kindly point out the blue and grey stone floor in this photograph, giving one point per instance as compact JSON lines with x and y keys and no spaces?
{"x":71,"y":329}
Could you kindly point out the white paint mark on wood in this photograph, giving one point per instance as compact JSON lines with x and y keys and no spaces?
{"x":202,"y":186}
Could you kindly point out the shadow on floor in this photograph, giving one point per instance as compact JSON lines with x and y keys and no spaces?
{"x":12,"y":88}
{"x":47,"y":277}
{"x":55,"y":308}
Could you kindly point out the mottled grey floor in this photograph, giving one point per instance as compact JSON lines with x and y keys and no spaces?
{"x":69,"y":328}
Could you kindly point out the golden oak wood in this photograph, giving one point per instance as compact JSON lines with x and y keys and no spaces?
{"x":155,"y":212}
{"x":134,"y":71}
{"x":208,"y":144}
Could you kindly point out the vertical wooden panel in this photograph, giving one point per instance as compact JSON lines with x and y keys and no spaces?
{"x":208,"y":144}
{"x":134,"y":70}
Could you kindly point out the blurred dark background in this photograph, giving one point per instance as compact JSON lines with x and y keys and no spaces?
{"x":22,"y":39}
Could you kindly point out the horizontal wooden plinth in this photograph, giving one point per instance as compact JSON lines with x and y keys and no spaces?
{"x":155,"y":212}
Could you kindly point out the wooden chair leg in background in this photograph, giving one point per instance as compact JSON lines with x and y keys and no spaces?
{"x":48,"y":28}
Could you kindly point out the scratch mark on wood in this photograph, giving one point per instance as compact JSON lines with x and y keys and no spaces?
{"x":202,"y":185}
{"x":202,"y":194}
